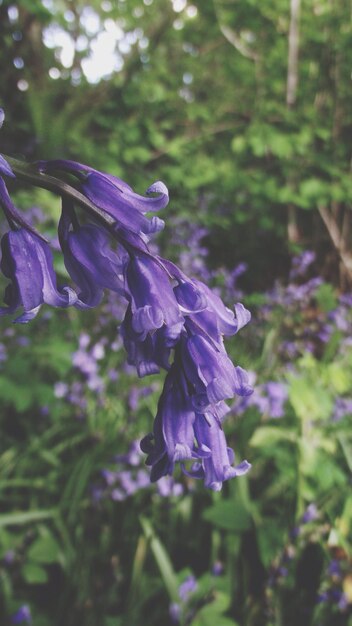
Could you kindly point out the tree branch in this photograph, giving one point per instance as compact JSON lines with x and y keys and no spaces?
{"x":293,"y":43}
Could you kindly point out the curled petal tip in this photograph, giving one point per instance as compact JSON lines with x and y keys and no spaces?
{"x":243,"y":316}
{"x":215,"y":486}
{"x":156,"y":225}
{"x":27,"y":316}
{"x":158,"y":187}
{"x":72,"y":297}
{"x":242,"y":384}
{"x":243,"y":468}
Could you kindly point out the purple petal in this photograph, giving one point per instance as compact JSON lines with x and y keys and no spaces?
{"x":189,"y":297}
{"x":20,"y":264}
{"x":243,"y":316}
{"x":27,"y":262}
{"x":242,"y":383}
{"x":27,"y":316}
{"x":226,"y":322}
{"x":211,"y":372}
{"x":173,"y":434}
{"x":152,"y":298}
{"x":92,"y":265}
{"x":114,"y":196}
{"x":148,"y":354}
{"x":217,"y":468}
{"x":125,"y":206}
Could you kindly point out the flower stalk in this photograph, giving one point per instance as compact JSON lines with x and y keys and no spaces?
{"x":29,"y":173}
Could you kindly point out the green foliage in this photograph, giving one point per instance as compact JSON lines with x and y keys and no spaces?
{"x":230,"y":515}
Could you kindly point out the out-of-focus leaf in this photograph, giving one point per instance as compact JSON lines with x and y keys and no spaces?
{"x":270,"y":435}
{"x":45,"y":549}
{"x":228,"y":515}
{"x":271,"y":538}
{"x":309,"y":402}
{"x":34,"y":574}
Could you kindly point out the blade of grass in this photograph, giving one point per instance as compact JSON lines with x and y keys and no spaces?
{"x":26,"y":517}
{"x":162,"y":559}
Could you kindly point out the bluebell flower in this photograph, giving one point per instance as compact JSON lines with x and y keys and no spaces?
{"x":301,"y":263}
{"x":277,"y":395}
{"x":153,"y":302}
{"x":147,"y":354}
{"x":217,"y":466}
{"x":9,"y":557}
{"x":172,"y":439}
{"x":206,"y":309}
{"x":127,"y":207}
{"x":175,"y":612}
{"x":185,"y":591}
{"x":217,"y":318}
{"x":27,"y":262}
{"x":343,"y":407}
{"x":269,"y":398}
{"x":22,"y":616}
{"x":311,"y":513}
{"x":115,"y":197}
{"x":217,"y":568}
{"x":167,"y":487}
{"x":212,"y":373}
{"x":188,"y":586}
{"x":334,"y":570}
{"x":89,"y":259}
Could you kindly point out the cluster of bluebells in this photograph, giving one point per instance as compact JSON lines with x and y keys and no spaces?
{"x":193,"y":594}
{"x":336,"y":588}
{"x":269,"y":398}
{"x":126,"y":476}
{"x":185,"y":591}
{"x":171,"y":322}
{"x":281,"y":566}
{"x":303,"y":325}
{"x":86,"y":362}
{"x":334,"y":593}
{"x":307,"y":326}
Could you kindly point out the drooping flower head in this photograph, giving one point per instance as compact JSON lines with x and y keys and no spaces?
{"x":171,"y":321}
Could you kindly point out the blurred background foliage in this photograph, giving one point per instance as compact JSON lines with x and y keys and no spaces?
{"x":243,"y":109}
{"x":198,"y":95}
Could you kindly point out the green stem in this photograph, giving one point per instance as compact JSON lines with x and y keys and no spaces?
{"x":29,"y":173}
